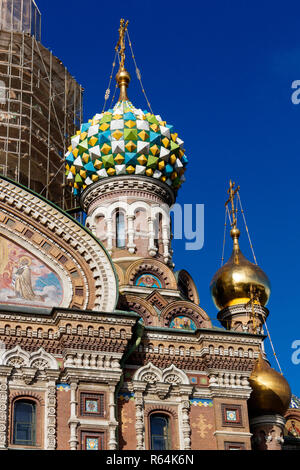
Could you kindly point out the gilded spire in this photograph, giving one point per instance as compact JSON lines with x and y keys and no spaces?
{"x":235,"y":233}
{"x":122,"y":77}
{"x":238,"y":281}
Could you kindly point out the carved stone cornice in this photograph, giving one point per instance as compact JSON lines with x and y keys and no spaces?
{"x":129,"y":186}
{"x":239,"y":310}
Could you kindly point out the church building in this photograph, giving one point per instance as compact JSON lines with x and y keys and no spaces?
{"x":103,"y":344}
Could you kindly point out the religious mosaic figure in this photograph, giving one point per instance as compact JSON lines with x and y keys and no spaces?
{"x":22,"y":280}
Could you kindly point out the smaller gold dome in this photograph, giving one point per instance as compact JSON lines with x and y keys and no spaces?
{"x":233,"y":282}
{"x":271,"y":392}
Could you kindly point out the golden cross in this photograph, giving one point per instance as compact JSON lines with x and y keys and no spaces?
{"x":121,"y":42}
{"x":232,"y":192}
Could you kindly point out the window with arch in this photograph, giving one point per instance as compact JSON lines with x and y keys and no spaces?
{"x":120,"y":230}
{"x":24,"y":423}
{"x":157,"y":229}
{"x":160,"y":432}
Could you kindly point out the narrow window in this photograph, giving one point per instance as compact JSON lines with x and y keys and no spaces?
{"x":120,"y":230}
{"x":24,"y":423}
{"x":160,"y":438}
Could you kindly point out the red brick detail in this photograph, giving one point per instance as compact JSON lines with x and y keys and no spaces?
{"x":187,"y":309}
{"x":27,"y":394}
{"x":154,"y":267}
{"x":161,"y":408}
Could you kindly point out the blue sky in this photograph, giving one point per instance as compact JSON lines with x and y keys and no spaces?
{"x":221,"y":73}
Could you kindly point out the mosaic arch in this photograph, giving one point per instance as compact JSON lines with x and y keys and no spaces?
{"x":183,"y":323}
{"x":25,"y":280}
{"x":293,"y":428}
{"x":148,"y":280}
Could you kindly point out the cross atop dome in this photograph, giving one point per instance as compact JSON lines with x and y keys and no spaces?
{"x":123,"y":77}
{"x":125,"y":140}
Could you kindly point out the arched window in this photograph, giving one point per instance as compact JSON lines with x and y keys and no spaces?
{"x":120,"y":230}
{"x":24,"y":430}
{"x":160,"y":432}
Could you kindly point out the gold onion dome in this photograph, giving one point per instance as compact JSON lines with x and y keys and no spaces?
{"x":271,"y":393}
{"x":232,"y":284}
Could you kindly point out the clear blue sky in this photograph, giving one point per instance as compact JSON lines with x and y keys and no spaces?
{"x":221,"y":72}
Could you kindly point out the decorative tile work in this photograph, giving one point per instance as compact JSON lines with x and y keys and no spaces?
{"x":92,"y":443}
{"x":231,"y":415}
{"x":92,"y":404}
{"x":125,"y":140}
{"x":295,"y":402}
{"x":148,"y":280}
{"x":92,"y":440}
{"x":200,"y":402}
{"x":126,"y":396}
{"x":183,"y":323}
{"x":63,"y":387}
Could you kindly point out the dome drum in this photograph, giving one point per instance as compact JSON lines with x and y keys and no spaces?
{"x":239,"y":314}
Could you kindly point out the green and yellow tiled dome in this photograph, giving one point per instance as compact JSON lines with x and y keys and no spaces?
{"x":125,"y":141}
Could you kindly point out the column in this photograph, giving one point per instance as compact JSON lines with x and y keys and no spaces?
{"x":112,"y":443}
{"x":3,"y":412}
{"x":151,"y":247}
{"x":185,"y":424}
{"x":166,"y":243}
{"x":130,"y":232}
{"x":50,"y":416}
{"x":73,"y":421}
{"x":139,"y":423}
{"x":110,"y":234}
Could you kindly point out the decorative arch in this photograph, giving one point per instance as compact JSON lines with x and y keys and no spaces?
{"x":43,"y":360}
{"x":60,"y":242}
{"x":117,"y":206}
{"x":139,"y":205}
{"x":187,"y":309}
{"x":151,"y":266}
{"x":120,"y":274}
{"x":27,"y":394}
{"x":149,"y":373}
{"x":18,"y":358}
{"x":15,"y":357}
{"x":152,"y":374}
{"x":175,"y":376}
{"x":161,"y":409}
{"x":187,"y":286}
{"x":140,"y":306}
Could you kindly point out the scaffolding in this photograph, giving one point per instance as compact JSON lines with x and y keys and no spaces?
{"x":22,"y":16}
{"x":40,"y":109}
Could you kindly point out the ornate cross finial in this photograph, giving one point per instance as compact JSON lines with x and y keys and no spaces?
{"x":232,"y":191}
{"x":120,"y":47}
{"x":254,"y":298}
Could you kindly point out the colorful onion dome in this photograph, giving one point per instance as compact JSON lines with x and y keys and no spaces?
{"x":295,"y":403}
{"x":271,"y":393}
{"x":125,"y":141}
{"x":233,"y":283}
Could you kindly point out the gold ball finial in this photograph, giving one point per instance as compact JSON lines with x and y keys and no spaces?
{"x":234,"y":282}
